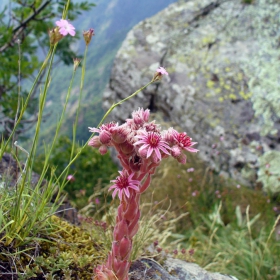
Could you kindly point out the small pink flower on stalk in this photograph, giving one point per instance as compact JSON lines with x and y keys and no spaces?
{"x":162,"y":71}
{"x":159,"y":73}
{"x":65,"y":27}
{"x":71,"y":178}
{"x":122,"y":185}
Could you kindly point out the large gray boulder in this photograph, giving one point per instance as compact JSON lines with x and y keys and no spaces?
{"x":222,"y":89}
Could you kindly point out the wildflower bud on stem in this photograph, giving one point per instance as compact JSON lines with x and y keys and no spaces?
{"x":159,"y":73}
{"x":76,"y":62}
{"x":88,"y":35}
{"x":55,"y":36}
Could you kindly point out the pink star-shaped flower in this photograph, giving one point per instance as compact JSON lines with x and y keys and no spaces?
{"x":152,"y":142}
{"x":162,"y":71}
{"x":123,"y":183}
{"x":65,"y":27}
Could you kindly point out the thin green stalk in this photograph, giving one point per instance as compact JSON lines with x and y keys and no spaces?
{"x":42,"y":101}
{"x":33,"y":148}
{"x":251,"y":240}
{"x":19,"y":85}
{"x":77,"y":117}
{"x":26,"y":102}
{"x":80,"y":98}
{"x":50,"y":149}
{"x":60,"y":122}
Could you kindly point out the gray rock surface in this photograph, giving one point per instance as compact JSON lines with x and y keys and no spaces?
{"x":211,"y":50}
{"x":173,"y":269}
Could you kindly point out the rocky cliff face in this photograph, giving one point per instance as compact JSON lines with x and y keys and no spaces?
{"x":223,"y":64}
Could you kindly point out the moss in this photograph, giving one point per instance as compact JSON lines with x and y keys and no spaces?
{"x":69,"y":250}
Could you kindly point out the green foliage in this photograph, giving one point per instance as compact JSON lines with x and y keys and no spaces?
{"x":24,"y":212}
{"x":197,"y":192}
{"x":24,"y":36}
{"x":225,"y":233}
{"x":245,"y":252}
{"x":67,"y":251}
{"x":91,"y":170}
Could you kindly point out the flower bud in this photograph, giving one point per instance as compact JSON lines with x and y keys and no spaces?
{"x":176,"y":151}
{"x":182,"y":158}
{"x":55,"y":36}
{"x":119,"y":135}
{"x":76,"y":63}
{"x":159,"y":73}
{"x":105,"y":137}
{"x":71,"y":178}
{"x":94,"y":142}
{"x":103,"y":150}
{"x":88,"y":35}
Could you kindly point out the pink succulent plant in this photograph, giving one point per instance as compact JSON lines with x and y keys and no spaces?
{"x":141,"y":146}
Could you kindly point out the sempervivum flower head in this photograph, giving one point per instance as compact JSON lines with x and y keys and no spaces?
{"x":184,"y":141}
{"x":140,"y":116}
{"x":123,"y":183}
{"x":179,"y":140}
{"x":152,"y":143}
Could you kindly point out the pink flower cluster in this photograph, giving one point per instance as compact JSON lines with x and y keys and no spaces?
{"x":141,"y":145}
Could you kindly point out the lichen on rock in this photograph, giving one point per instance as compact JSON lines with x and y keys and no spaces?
{"x":219,"y":83}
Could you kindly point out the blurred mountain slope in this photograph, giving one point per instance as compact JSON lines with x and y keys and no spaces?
{"x":111,"y":20}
